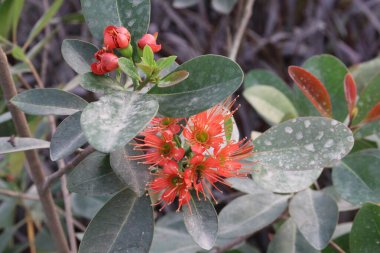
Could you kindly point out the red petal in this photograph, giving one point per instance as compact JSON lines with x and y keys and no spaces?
{"x":350,"y":92}
{"x":374,"y":113}
{"x":313,"y":89}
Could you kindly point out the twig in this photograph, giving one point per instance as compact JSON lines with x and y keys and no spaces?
{"x":336,"y":247}
{"x":243,"y":25}
{"x":10,"y":193}
{"x":56,"y":175}
{"x":35,"y":166}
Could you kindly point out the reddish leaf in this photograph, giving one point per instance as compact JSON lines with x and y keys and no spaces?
{"x":313,"y":89}
{"x":350,"y":92}
{"x":374,"y":113}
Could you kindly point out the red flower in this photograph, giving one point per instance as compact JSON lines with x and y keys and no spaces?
{"x":206,"y":129}
{"x":161,"y":124}
{"x":200,"y":173}
{"x":149,"y":40}
{"x":228,"y":159}
{"x":107,"y":62}
{"x":172,"y":183}
{"x":159,"y":150}
{"x":116,"y":37}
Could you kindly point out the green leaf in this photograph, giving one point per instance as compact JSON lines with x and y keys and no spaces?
{"x":44,"y":20}
{"x":211,"y":79}
{"x":302,"y":144}
{"x":115,"y":119}
{"x":19,"y":54}
{"x":316,"y":215}
{"x":250,"y":213}
{"x":124,"y":224}
{"x":357,"y":177}
{"x":181,"y":4}
{"x":15,"y":144}
{"x":166,"y":62}
{"x":369,"y":129}
{"x":87,"y":207}
{"x":331,"y":72}
{"x":129,"y":68}
{"x":246,"y":185}
{"x":201,"y":221}
{"x":99,"y":84}
{"x":369,"y":97}
{"x":343,"y":205}
{"x":365,"y":234}
{"x":48,"y":102}
{"x":148,"y":56}
{"x":228,"y":128}
{"x":365,"y":72}
{"x":270,"y":103}
{"x":265,"y":77}
{"x":78,"y":55}
{"x":94,"y":176}
{"x":289,"y":240}
{"x":6,"y":17}
{"x":132,"y":14}
{"x":284,"y":181}
{"x":67,"y":138}
{"x":173,"y":78}
{"x":223,"y":6}
{"x":7,"y":210}
{"x":132,"y":173}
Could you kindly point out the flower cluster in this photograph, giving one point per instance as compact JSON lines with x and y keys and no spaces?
{"x":196,"y":162}
{"x":119,"y":38}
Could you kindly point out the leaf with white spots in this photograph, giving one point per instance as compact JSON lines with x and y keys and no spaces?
{"x":212,"y":78}
{"x":357,"y":177}
{"x":78,"y":55}
{"x":201,"y":222}
{"x":307,"y":143}
{"x":115,"y":119}
{"x":316,"y":216}
{"x":132,"y":14}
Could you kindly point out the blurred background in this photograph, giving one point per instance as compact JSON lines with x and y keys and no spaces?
{"x":279,"y":33}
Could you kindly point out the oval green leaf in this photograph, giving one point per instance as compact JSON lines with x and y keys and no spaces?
{"x":78,"y":55}
{"x":289,"y":240}
{"x":201,"y":222}
{"x":94,"y":176}
{"x":99,"y":84}
{"x":15,"y":144}
{"x":67,"y":138}
{"x":357,"y":177}
{"x":250,"y":213}
{"x":270,"y":103}
{"x":212,"y":78}
{"x":48,"y":102}
{"x":124,"y":224}
{"x":132,"y":14}
{"x":302,"y":144}
{"x":115,"y":119}
{"x":365,"y":234}
{"x":316,"y":216}
{"x":133,"y":173}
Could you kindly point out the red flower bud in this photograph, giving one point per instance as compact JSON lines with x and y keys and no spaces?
{"x":116,"y":37}
{"x":149,"y":40}
{"x":107,"y":62}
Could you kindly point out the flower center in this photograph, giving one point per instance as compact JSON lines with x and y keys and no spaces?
{"x":166,"y":148}
{"x":166,"y":121}
{"x":201,"y":137}
{"x":176,"y":180}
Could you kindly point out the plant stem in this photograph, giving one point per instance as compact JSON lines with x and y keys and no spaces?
{"x":34,"y":163}
{"x":243,"y":25}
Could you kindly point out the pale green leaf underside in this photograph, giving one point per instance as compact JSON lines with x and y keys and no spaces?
{"x":15,"y":144}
